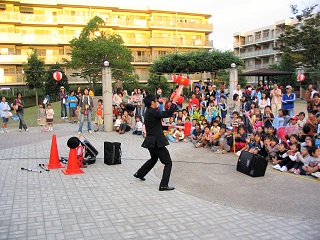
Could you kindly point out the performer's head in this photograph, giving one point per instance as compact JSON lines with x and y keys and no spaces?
{"x":150,"y":100}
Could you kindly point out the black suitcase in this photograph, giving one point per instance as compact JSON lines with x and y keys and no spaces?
{"x":112,"y":153}
{"x":90,"y":151}
{"x":252,"y":164}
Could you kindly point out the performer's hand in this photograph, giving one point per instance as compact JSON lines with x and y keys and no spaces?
{"x":175,"y":99}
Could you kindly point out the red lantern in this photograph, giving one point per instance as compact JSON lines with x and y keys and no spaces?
{"x":57,"y":76}
{"x":301,"y":77}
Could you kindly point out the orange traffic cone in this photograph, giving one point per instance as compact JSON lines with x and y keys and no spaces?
{"x":73,"y":165}
{"x":54,"y":161}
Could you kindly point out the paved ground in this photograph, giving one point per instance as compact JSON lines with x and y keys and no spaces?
{"x":212,"y":200}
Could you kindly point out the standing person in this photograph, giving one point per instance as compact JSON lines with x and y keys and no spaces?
{"x":99,"y":115}
{"x":118,"y":86}
{"x":72,"y":102}
{"x":139,"y":102}
{"x":288,"y":100}
{"x":263,"y":102}
{"x":63,"y":96}
{"x":5,"y":114}
{"x":42,"y":117}
{"x":155,"y":141}
{"x":49,"y":113}
{"x":18,"y":106}
{"x":275,"y":95}
{"x":310,"y":94}
{"x":85,"y":109}
{"x":237,"y":91}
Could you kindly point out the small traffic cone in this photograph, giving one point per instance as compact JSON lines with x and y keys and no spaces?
{"x":54,"y":161}
{"x":73,"y":163}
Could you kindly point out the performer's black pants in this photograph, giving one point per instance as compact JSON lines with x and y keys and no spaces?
{"x":164,"y":156}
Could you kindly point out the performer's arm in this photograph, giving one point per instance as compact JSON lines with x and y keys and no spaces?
{"x":167,"y":113}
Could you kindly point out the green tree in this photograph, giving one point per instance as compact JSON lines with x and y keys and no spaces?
{"x":286,"y":64}
{"x":192,"y":62}
{"x":156,"y":81}
{"x":93,"y":47}
{"x":34,"y":71}
{"x":51,"y":86}
{"x":301,"y":41}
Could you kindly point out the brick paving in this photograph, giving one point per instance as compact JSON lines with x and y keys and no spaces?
{"x":108,"y":203}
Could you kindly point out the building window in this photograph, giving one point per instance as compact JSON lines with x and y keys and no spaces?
{"x":250,"y":38}
{"x":26,"y":10}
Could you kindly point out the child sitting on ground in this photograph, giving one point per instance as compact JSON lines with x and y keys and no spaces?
{"x":138,"y":126}
{"x":280,"y":154}
{"x":118,"y":123}
{"x":272,"y":147}
{"x":215,"y":129}
{"x":289,"y":159}
{"x":196,"y":134}
{"x":240,"y":138}
{"x":179,"y":134}
{"x":303,"y":157}
{"x":207,"y":138}
{"x":225,"y":141}
{"x":312,"y":165}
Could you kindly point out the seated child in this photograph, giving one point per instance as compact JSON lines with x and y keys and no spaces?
{"x":303,"y":158}
{"x":225,"y":141}
{"x":240,"y":138}
{"x":179,"y":135}
{"x":272,"y":147}
{"x":196,"y":134}
{"x":312,"y":165}
{"x":138,"y":126}
{"x":289,"y":159}
{"x":257,"y":144}
{"x":118,"y":123}
{"x":248,"y":144}
{"x":215,"y":129}
{"x":280,"y":154}
{"x":207,"y":138}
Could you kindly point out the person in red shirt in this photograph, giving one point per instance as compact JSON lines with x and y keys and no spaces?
{"x":193,"y":101}
{"x":99,"y":115}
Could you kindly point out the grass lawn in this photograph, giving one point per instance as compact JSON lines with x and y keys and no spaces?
{"x":31,"y":116}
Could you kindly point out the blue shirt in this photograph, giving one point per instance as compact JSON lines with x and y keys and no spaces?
{"x":72,"y":104}
{"x":288,"y":101}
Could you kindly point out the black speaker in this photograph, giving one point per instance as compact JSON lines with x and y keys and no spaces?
{"x":252,"y":164}
{"x":90,"y":151}
{"x":112,"y":153}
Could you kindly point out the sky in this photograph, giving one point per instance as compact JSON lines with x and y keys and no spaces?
{"x":228,"y":16}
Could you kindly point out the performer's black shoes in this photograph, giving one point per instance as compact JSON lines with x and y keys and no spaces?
{"x":167,"y":188}
{"x":141,"y":178}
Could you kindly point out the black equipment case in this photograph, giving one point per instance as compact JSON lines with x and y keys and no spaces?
{"x":90,"y":151}
{"x":252,"y":164}
{"x":112,"y":153}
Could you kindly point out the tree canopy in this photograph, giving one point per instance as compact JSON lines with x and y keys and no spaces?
{"x":34,"y":70}
{"x":95,"y":45}
{"x":196,"y":61}
{"x":51,"y":86}
{"x":301,"y":41}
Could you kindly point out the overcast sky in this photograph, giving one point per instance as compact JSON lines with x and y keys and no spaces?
{"x":228,"y":16}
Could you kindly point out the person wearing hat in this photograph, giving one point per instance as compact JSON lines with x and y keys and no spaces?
{"x":292,"y":127}
{"x":155,"y":141}
{"x":63,"y":96}
{"x":288,"y":100}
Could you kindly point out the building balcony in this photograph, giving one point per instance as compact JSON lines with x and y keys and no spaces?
{"x":258,"y":53}
{"x":111,"y":20}
{"x":181,"y":25}
{"x":141,"y":60}
{"x":136,"y":41}
{"x":19,"y":59}
{"x":12,"y":79}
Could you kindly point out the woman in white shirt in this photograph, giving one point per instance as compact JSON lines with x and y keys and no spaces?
{"x":263,"y":102}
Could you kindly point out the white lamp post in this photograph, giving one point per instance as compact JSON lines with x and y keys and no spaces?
{"x":107,"y":97}
{"x":233,"y":79}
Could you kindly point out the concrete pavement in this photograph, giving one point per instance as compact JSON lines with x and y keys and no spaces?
{"x":107,"y":202}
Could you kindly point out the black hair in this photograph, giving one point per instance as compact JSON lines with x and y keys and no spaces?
{"x":179,"y":118}
{"x":267,"y":107}
{"x":100,"y":100}
{"x":312,"y":150}
{"x":72,"y":91}
{"x":306,"y":129}
{"x":302,"y":113}
{"x":223,"y":126}
{"x":295,"y":136}
{"x":148,"y":99}
{"x":235,"y":96}
{"x":19,"y":93}
{"x":314,"y":112}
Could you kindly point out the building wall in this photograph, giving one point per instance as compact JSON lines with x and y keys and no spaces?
{"x":48,"y":26}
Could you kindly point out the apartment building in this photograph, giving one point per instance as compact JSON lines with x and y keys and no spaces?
{"x":255,"y":47}
{"x":49,"y":25}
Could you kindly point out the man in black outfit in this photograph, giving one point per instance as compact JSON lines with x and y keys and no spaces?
{"x":155,"y":141}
